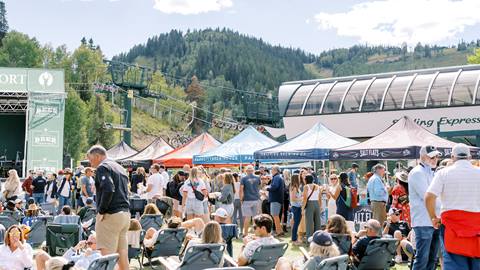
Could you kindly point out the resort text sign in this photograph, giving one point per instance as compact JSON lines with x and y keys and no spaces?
{"x":31,"y":80}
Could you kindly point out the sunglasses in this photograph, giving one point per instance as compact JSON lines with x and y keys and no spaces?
{"x":14,"y":233}
{"x":334,"y":178}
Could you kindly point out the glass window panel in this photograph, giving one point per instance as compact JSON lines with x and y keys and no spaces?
{"x":296,"y":103}
{"x":418,"y":91}
{"x":354,"y":96}
{"x":373,"y":99}
{"x":394,"y":98}
{"x":465,"y":87}
{"x":284,"y":94}
{"x":332,"y":103}
{"x":441,"y":89}
{"x":314,"y":103}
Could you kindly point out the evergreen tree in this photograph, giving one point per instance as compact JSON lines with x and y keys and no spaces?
{"x":428,"y":51}
{"x":196,"y":95}
{"x":90,"y":44}
{"x":3,"y":20}
{"x":99,"y":114}
{"x":83,"y":41}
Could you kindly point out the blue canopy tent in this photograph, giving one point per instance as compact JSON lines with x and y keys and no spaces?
{"x":237,"y":150}
{"x":313,"y":144}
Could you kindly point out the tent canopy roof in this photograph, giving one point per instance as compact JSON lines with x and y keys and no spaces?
{"x":183,"y":155}
{"x":313,"y":144}
{"x":120,"y":151}
{"x":157,"y":148}
{"x":238,"y":149}
{"x":402,"y":140}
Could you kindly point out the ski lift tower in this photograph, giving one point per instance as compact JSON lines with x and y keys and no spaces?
{"x":135,"y":80}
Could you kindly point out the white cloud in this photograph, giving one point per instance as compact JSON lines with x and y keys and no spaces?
{"x":397,"y":21}
{"x":188,"y":7}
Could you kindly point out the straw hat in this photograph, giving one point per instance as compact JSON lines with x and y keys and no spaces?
{"x":402,"y":176}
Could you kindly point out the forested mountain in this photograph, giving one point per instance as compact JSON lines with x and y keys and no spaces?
{"x":361,"y":59}
{"x":249,"y":63}
{"x":246,"y":62}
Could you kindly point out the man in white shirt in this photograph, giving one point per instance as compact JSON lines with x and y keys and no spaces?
{"x":427,"y":238}
{"x":156,"y":184}
{"x":458,"y":188}
{"x":263,"y":228}
{"x":164,"y":173}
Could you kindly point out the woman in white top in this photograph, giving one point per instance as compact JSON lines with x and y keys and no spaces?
{"x":237,"y":216}
{"x":332,"y":188}
{"x":296,"y":201}
{"x":212,"y":234}
{"x":13,"y":187}
{"x":203,"y":175}
{"x":51,"y":188}
{"x":15,"y":253}
{"x":194,"y":203}
{"x":312,"y":200}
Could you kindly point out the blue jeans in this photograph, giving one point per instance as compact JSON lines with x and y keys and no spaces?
{"x":428,"y":245}
{"x":62,"y":201}
{"x":297,"y":217}
{"x":453,"y":261}
{"x":237,"y":216}
{"x":39,"y":197}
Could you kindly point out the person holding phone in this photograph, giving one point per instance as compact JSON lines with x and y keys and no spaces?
{"x":15,"y":253}
{"x":80,"y":256}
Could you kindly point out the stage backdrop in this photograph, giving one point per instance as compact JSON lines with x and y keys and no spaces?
{"x":45,"y":113}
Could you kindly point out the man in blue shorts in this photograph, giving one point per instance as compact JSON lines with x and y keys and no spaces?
{"x":249,"y":196}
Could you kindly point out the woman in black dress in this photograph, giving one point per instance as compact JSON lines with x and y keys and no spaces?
{"x":137,"y":177}
{"x":342,"y":198}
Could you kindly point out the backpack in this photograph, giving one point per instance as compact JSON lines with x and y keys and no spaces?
{"x":351,"y":200}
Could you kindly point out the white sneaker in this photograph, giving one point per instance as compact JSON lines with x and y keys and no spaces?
{"x":398,"y":259}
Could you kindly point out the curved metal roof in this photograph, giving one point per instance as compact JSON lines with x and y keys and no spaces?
{"x":414,"y":89}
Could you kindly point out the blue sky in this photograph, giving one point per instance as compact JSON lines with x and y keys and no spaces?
{"x":311,"y":25}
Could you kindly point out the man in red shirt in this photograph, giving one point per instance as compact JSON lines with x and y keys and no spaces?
{"x":27,"y":185}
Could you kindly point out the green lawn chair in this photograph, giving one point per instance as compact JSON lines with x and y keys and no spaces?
{"x":61,"y":237}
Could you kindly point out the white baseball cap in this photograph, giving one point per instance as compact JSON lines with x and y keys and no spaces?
{"x":430,"y":150}
{"x":221,"y":213}
{"x":461,"y":150}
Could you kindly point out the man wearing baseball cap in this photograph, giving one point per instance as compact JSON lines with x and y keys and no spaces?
{"x":427,"y":237}
{"x":458,"y":187}
{"x":229,"y":231}
{"x":399,"y":229}
{"x":221,"y":216}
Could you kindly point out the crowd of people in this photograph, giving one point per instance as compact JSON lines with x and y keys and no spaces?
{"x":266,"y":202}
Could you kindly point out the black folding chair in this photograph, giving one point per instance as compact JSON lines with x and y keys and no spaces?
{"x":151,"y":221}
{"x":379,"y":254}
{"x":200,"y":256}
{"x":169,"y":243}
{"x":107,"y":262}
{"x":38,"y":231}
